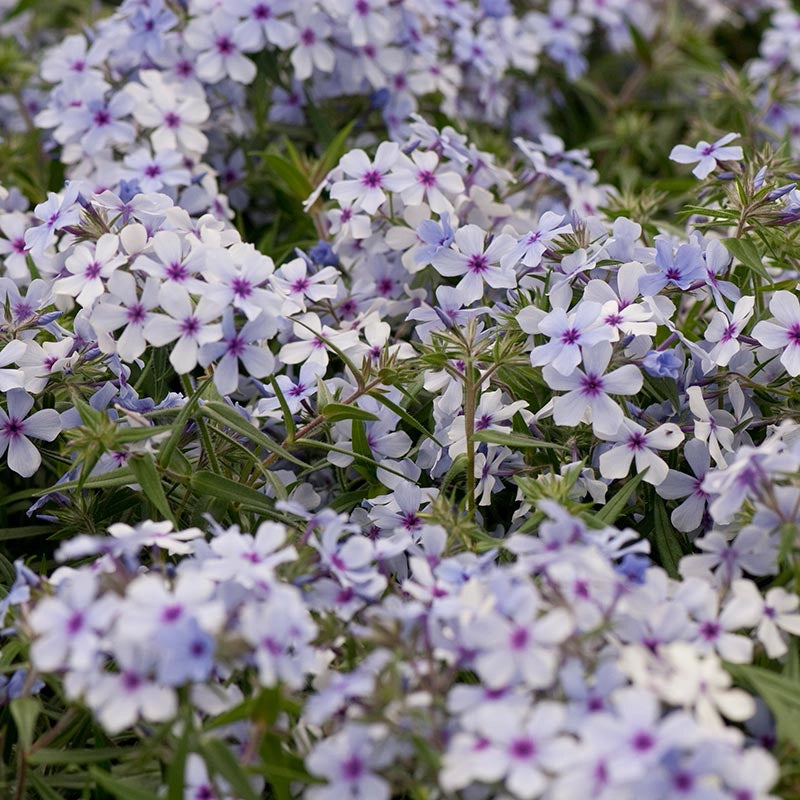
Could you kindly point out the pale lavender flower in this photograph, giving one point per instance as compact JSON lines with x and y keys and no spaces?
{"x":707,"y":154}
{"x":16,"y":426}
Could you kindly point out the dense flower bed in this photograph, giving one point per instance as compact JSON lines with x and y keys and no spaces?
{"x":399,"y":400}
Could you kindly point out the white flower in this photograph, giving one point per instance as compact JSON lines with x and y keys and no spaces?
{"x":782,"y":332}
{"x":775,"y":612}
{"x":16,"y":426}
{"x":365,"y":189}
{"x":724,"y":330}
{"x":90,"y":268}
{"x":191,"y":326}
{"x":636,"y":443}
{"x":477,"y":263}
{"x":418,"y":181}
{"x":707,"y":154}
{"x":588,"y":391}
{"x":568,"y":334}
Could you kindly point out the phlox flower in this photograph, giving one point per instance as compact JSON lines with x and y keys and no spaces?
{"x":713,"y":427}
{"x":281,"y":631}
{"x":775,"y":614}
{"x":174,"y":113}
{"x":68,"y":626}
{"x":16,"y":426}
{"x":347,"y":761}
{"x":55,"y":212}
{"x":243,"y":344}
{"x":90,"y":268}
{"x":707,"y":155}
{"x":264,"y":21}
{"x":588,"y":390}
{"x":313,"y":338}
{"x":367,"y":178}
{"x":11,"y":353}
{"x":635,"y":443}
{"x":531,"y":247}
{"x":688,"y":516}
{"x":119,"y":699}
{"x":783,"y":331}
{"x":312,"y":49}
{"x":477,"y":263}
{"x":123,"y":307}
{"x":680,"y":268}
{"x":417,"y":180}
{"x":192,"y":326}
{"x":568,"y":333}
{"x":523,"y":747}
{"x":751,"y":550}
{"x":299,"y":286}
{"x":220,"y":44}
{"x":725,"y":328}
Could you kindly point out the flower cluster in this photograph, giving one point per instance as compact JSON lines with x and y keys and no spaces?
{"x":476,"y":471}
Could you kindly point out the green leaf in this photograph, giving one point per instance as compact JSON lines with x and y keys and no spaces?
{"x":221,"y":761}
{"x":177,"y":767}
{"x":44,"y":792}
{"x":616,"y":505}
{"x":288,"y":175}
{"x":55,"y":756}
{"x":665,"y":539}
{"x":335,"y":412}
{"x":120,"y":789}
{"x":143,"y":467}
{"x":206,"y":483}
{"x":25,"y":711}
{"x":116,"y":477}
{"x":225,"y":415}
{"x":26,"y":532}
{"x":404,"y":415}
{"x":334,"y":151}
{"x":513,"y":440}
{"x":745,"y":251}
{"x":780,"y":692}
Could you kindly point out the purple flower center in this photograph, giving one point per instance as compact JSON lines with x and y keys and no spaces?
{"x":136,"y":314}
{"x":130,"y":681}
{"x":297,"y":390}
{"x":683,"y":781}
{"x":483,"y":422}
{"x":262,"y":11}
{"x":101,"y":118}
{"x":769,"y":611}
{"x":75,"y":623}
{"x":18,"y":245}
{"x":362,"y":8}
{"x":236,"y":346}
{"x":426,"y":177}
{"x":152,"y":170}
{"x":523,"y":748}
{"x":13,"y":428}
{"x":172,"y":613}
{"x":570,"y":336}
{"x":636,"y":442}
{"x":729,"y":332}
{"x":176,"y":272}
{"x":241,"y":287}
{"x":710,"y":630}
{"x":172,"y":120}
{"x":643,"y":741}
{"x":224,"y":46}
{"x":352,"y":768}
{"x":308,"y":37}
{"x":793,"y":334}
{"x":477,"y":263}
{"x":519,"y":638}
{"x":371,"y":178}
{"x":591,"y":385}
{"x":190,"y":326}
{"x":92,"y":270}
